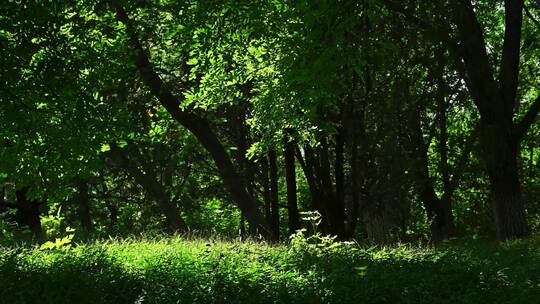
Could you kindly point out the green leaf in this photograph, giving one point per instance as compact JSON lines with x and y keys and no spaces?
{"x":105,"y":148}
{"x":122,"y":143}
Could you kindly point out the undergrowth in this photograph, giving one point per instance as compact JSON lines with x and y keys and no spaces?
{"x":312,"y":269}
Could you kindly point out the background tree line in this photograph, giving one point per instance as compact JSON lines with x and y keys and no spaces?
{"x":394,"y":120}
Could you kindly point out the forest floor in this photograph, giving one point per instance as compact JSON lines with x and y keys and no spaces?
{"x":176,"y":270}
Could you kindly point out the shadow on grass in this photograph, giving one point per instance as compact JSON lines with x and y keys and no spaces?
{"x":232,"y":274}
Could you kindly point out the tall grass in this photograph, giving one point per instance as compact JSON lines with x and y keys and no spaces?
{"x":177,"y":270}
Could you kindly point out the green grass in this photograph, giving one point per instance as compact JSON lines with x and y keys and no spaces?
{"x":203,"y":271}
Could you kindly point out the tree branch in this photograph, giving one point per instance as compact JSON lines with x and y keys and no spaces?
{"x":508,"y":78}
{"x":437,"y":34}
{"x":521,"y":128}
{"x":8,"y":204}
{"x":531,"y":17}
{"x":105,"y":196}
{"x":462,"y":162}
{"x":482,"y":84}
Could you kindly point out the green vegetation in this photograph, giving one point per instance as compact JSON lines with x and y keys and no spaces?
{"x":301,"y":125}
{"x":212,"y":271}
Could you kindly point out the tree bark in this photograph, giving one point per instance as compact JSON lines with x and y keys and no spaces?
{"x":266,"y":189}
{"x":334,"y":208}
{"x":113,"y":215}
{"x":290,"y":176}
{"x":355,"y":187}
{"x":150,"y":184}
{"x":28,"y":213}
{"x":83,"y":203}
{"x":239,"y":132}
{"x":3,"y":206}
{"x":509,"y":210}
{"x":274,"y":193}
{"x":339,"y":173}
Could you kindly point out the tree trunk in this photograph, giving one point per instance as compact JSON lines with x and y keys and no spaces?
{"x":501,"y":161}
{"x":444,"y":221}
{"x":113,"y":215}
{"x":442,"y":225}
{"x":83,"y":203}
{"x":28,"y":214}
{"x":355,"y":188}
{"x":266,"y":189}
{"x":335,"y":216}
{"x":509,"y":210}
{"x":438,"y":210}
{"x":239,"y":132}
{"x":242,"y":227}
{"x":439,"y":213}
{"x":496,"y":101}
{"x":150,"y":184}
{"x":274,"y":194}
{"x":339,"y":173}
{"x":175,"y":223}
{"x":3,"y":206}
{"x":290,"y":176}
{"x":308,"y":164}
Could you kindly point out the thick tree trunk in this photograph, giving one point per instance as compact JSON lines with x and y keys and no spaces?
{"x":83,"y":203}
{"x":274,"y":194}
{"x":445,"y":220}
{"x":509,"y":211}
{"x":439,"y":212}
{"x":290,"y":176}
{"x":376,"y":224}
{"x":28,"y":214}
{"x":496,"y":101}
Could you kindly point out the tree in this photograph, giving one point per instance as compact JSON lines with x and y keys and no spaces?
{"x":496,"y":99}
{"x":199,"y":126}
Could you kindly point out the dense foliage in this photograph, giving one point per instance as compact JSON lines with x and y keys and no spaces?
{"x":374,"y":121}
{"x":393,"y":120}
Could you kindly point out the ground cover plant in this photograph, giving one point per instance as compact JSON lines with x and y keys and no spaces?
{"x":177,"y":270}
